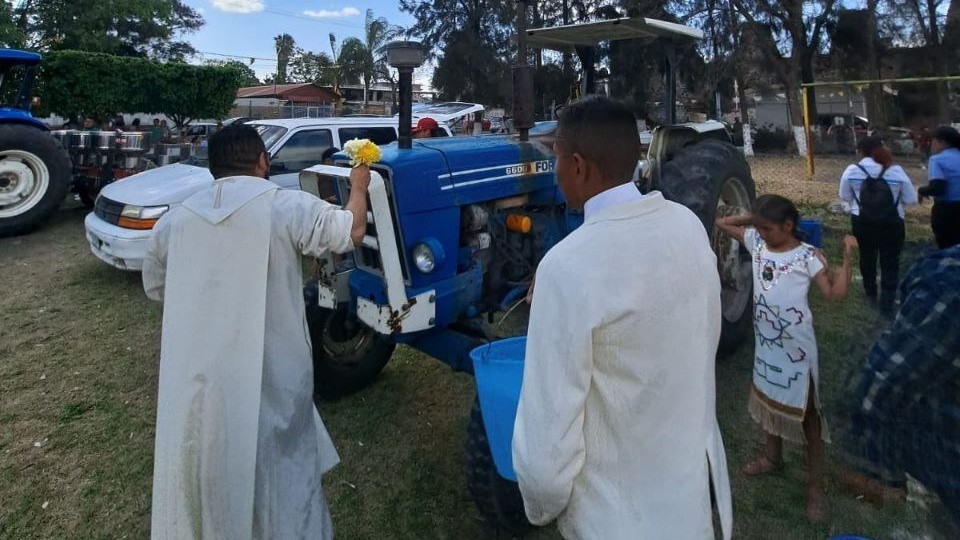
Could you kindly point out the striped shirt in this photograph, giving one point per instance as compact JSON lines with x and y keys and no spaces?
{"x":852,"y":180}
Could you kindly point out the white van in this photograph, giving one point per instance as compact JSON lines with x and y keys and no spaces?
{"x":120,"y":225}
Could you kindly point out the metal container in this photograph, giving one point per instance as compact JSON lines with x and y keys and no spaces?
{"x":81,"y":140}
{"x":166,"y":160}
{"x":172,"y":150}
{"x":106,"y":140}
{"x":132,"y":142}
{"x":131,"y":162}
{"x":62,"y":136}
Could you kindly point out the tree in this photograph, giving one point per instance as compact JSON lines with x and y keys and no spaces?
{"x":285,"y":46}
{"x":366,"y":60}
{"x":484,"y":79}
{"x":306,"y":66}
{"x":102,"y":85}
{"x":146,"y":28}
{"x":790,"y":33}
{"x":246,"y":75}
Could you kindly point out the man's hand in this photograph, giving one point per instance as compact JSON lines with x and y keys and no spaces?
{"x":360,"y":178}
{"x":357,"y":204}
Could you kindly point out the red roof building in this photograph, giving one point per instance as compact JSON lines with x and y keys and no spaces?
{"x":293,"y":94}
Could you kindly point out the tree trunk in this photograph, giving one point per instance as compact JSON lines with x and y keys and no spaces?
{"x":875,"y":109}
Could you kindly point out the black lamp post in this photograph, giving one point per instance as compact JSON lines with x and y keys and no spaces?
{"x":405,"y":56}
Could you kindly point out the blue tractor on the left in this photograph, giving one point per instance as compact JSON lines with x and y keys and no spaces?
{"x":35,"y":171}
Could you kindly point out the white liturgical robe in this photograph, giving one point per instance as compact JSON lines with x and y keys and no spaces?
{"x":616,"y":434}
{"x":240,"y":447}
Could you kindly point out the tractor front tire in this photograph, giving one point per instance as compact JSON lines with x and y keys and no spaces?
{"x":712,"y":178}
{"x":34,"y":178}
{"x":497,"y":499}
{"x":347,"y":355}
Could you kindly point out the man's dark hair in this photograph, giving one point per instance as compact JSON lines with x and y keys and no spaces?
{"x":948,"y":136}
{"x":868,"y":144}
{"x":602,"y":131}
{"x":234,"y":150}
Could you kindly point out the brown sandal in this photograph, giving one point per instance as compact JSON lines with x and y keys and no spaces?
{"x":761,"y":465}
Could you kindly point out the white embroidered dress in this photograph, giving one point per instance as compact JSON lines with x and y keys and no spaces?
{"x":785,"y":359}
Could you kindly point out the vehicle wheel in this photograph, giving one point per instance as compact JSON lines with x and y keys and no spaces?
{"x":347,"y":354}
{"x":498,"y":500}
{"x":34,"y":178}
{"x":713,"y":179}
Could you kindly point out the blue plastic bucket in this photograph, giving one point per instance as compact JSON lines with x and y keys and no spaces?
{"x":812,"y":231}
{"x":498,"y":369}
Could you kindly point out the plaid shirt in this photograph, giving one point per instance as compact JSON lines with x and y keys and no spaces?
{"x":909,"y":394}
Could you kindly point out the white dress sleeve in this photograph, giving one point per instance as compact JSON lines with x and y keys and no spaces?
{"x":751,"y":240}
{"x":154,"y":270}
{"x":316,"y":225}
{"x":548,"y":438}
{"x":814,"y":266}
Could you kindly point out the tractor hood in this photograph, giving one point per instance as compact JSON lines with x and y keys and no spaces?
{"x":167,"y":185}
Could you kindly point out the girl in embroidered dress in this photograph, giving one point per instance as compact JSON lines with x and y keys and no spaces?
{"x":784,"y":398}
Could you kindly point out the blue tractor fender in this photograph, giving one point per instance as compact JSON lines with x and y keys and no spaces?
{"x":13,"y":115}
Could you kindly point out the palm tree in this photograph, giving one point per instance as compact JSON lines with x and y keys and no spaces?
{"x":285,"y":47}
{"x":366,"y":60}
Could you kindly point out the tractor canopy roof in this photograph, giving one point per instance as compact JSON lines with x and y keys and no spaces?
{"x":567,"y":38}
{"x":13,"y":56}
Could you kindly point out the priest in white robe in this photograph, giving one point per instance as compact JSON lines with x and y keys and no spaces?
{"x":240,"y":447}
{"x":616,"y":435}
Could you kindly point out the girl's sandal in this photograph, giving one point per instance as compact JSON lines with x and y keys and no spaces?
{"x":761,"y":465}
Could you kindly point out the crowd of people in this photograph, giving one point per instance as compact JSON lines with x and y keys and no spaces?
{"x":616,"y":434}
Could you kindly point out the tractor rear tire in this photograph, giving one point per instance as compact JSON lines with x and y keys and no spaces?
{"x":347,"y":355}
{"x":497,"y":499}
{"x":710,"y":178}
{"x":34,"y":178}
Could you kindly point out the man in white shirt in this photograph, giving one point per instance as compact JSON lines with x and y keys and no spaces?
{"x":240,"y":447}
{"x":616,"y":434}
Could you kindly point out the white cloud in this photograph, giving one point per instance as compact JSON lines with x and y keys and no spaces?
{"x":238,"y":6}
{"x":327,"y":14}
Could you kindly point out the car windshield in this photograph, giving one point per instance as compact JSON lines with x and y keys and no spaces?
{"x":269,"y":134}
{"x":443,"y":108}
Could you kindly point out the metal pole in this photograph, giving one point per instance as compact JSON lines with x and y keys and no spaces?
{"x":522,"y":78}
{"x":806,"y":132}
{"x":670,"y":99}
{"x":406,"y":108}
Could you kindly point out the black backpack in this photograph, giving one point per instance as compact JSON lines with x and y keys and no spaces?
{"x":876,"y":200}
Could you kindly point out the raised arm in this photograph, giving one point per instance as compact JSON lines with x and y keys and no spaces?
{"x":734,"y":225}
{"x":834,"y":285}
{"x":357,"y":203}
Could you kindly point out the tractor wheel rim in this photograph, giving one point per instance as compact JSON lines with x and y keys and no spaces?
{"x":24,"y":180}
{"x":735,"y":271}
{"x":338,"y":350}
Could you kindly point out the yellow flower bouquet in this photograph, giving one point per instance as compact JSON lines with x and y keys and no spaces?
{"x":361,"y":152}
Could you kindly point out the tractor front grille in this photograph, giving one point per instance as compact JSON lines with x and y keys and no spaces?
{"x":108,"y":210}
{"x":368,"y":258}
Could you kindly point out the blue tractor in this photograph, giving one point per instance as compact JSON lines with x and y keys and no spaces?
{"x":35,"y":171}
{"x":457,"y":227}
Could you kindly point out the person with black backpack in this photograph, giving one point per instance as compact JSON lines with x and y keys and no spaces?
{"x":877,"y":191}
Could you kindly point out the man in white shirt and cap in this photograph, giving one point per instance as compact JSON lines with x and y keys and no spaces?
{"x":616,"y":434}
{"x":240,"y":447}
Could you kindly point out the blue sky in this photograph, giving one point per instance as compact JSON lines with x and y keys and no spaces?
{"x":246,"y":28}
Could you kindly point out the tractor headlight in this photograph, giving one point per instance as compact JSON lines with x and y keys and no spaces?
{"x":427,"y":255}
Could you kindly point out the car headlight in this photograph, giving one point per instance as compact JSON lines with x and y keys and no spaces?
{"x":428,"y":255}
{"x":140,"y":217}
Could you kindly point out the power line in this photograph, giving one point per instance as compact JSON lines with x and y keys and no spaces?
{"x":238,"y":56}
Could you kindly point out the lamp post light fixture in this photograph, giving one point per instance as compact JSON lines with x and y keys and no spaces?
{"x":405,"y":56}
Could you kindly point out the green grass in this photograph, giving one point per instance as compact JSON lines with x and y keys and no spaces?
{"x":78,"y":354}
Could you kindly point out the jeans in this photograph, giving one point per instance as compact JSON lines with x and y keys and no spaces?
{"x":883,"y":241}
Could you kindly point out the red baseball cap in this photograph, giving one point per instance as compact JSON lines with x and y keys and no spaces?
{"x":425,"y":124}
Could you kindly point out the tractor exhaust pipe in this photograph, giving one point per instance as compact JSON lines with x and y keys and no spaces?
{"x":405,"y":56}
